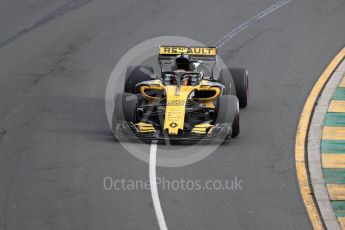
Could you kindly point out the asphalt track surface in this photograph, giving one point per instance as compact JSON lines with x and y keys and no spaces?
{"x":56,"y":147}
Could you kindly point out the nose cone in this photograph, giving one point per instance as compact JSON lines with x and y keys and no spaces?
{"x":175,"y":110}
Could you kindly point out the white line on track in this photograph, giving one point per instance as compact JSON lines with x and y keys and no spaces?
{"x":153,"y":148}
{"x":153,"y":187}
{"x":249,"y":22}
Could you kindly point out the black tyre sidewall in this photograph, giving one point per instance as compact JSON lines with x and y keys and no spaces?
{"x":228,"y":112}
{"x":240,"y":77}
{"x":125,"y":108}
{"x":236,"y":126}
{"x":135,"y":75}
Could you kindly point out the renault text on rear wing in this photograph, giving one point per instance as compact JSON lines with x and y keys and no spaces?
{"x":193,"y":51}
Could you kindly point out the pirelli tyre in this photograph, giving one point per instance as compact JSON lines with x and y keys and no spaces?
{"x":236,"y":126}
{"x":125,"y":109}
{"x":237,"y":77}
{"x":135,"y":75}
{"x":240,"y":78}
{"x":228,"y":113}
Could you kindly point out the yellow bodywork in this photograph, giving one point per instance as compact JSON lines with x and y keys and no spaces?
{"x":201,"y":128}
{"x":176,"y":99}
{"x":145,"y":127}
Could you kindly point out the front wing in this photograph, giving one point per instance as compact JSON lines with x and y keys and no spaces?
{"x":128,"y":130}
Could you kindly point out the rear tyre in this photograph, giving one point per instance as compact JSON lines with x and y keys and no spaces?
{"x":240,"y":77}
{"x":135,"y":75}
{"x":125,"y":109}
{"x":228,"y":112}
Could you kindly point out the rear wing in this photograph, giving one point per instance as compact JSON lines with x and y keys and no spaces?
{"x":195,"y":51}
{"x":167,"y":55}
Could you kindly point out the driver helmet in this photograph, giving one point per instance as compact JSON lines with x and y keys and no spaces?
{"x":183,"y":62}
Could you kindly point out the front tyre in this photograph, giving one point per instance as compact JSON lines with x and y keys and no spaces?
{"x":236,"y":126}
{"x":228,"y":113}
{"x":135,"y":75}
{"x":125,"y":109}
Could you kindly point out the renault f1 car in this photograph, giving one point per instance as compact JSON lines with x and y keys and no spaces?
{"x":188,"y":100}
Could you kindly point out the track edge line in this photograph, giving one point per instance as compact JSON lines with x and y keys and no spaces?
{"x":301,"y":140}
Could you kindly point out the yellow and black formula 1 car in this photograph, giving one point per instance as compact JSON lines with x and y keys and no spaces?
{"x":188,"y":100}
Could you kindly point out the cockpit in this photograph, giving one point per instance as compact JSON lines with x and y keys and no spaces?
{"x":181,"y":78}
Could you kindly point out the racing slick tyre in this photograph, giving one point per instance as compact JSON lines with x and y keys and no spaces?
{"x":236,"y":126}
{"x":228,"y":112}
{"x":135,"y":75}
{"x":125,"y":109}
{"x":240,"y":78}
